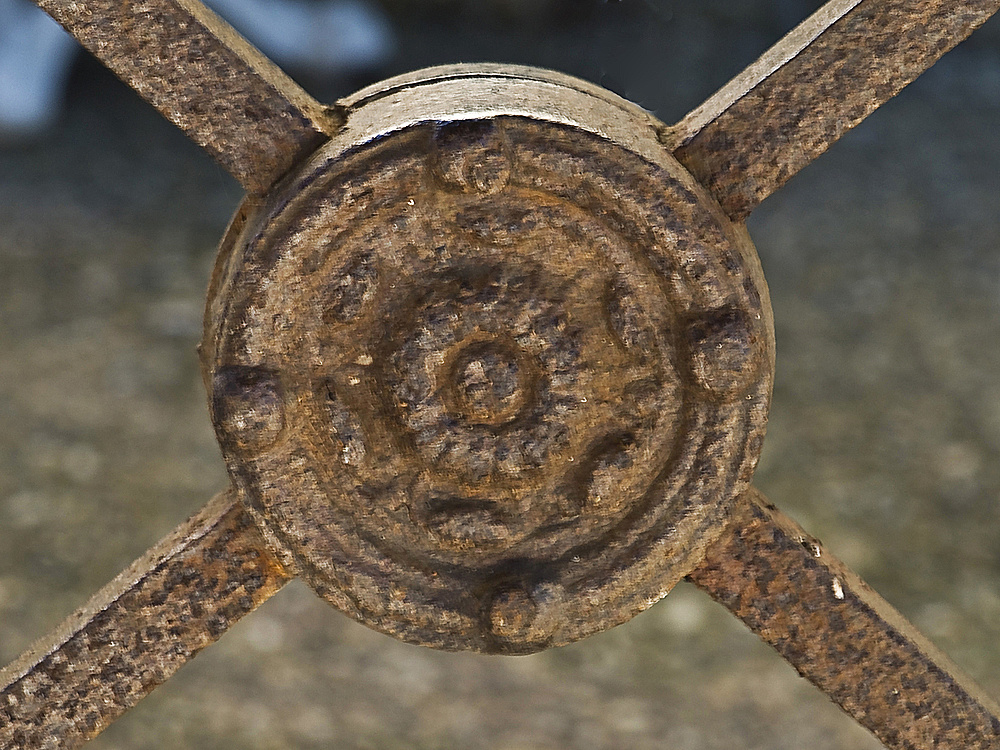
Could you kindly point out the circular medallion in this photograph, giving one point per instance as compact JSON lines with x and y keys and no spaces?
{"x":489,"y":368}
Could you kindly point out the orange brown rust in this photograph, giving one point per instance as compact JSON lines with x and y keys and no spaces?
{"x":181,"y":596}
{"x":491,"y":370}
{"x":489,"y":382}
{"x":206,"y":79}
{"x":842,"y":636}
{"x":818,"y":82}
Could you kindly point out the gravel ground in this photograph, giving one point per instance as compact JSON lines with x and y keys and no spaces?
{"x":884,"y":436}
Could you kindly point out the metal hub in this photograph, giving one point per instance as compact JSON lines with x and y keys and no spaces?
{"x":489,"y":356}
{"x":508,"y":369}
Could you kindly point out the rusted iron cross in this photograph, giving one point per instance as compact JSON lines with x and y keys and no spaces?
{"x":489,"y":354}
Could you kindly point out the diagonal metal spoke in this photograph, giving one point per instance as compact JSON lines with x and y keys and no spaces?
{"x":823,"y":78}
{"x":842,"y":636}
{"x":179,"y":597}
{"x":206,"y":79}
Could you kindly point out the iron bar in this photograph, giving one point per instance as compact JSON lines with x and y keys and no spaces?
{"x":179,"y":597}
{"x":819,"y":81}
{"x":842,"y":636}
{"x":206,"y":79}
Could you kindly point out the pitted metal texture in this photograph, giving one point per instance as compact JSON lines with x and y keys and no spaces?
{"x":490,"y":383}
{"x":490,"y":369}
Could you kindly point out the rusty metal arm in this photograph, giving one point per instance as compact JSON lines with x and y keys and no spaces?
{"x":206,"y":79}
{"x":823,"y":78}
{"x":179,"y":597}
{"x":842,"y":636}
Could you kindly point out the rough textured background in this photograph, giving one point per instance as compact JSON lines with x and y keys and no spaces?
{"x":884,"y":441}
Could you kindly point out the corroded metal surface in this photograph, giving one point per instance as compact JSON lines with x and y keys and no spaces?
{"x":491,"y":368}
{"x":842,"y":636}
{"x":814,"y":85}
{"x":137,"y":631}
{"x":206,"y":79}
{"x":490,"y":384}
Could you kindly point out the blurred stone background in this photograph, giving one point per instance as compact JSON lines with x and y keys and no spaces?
{"x":883,"y":264}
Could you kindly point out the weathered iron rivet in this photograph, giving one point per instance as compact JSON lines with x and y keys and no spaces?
{"x":248,"y":406}
{"x":724,"y":351}
{"x":472,"y":155}
{"x":512,"y":612}
{"x":490,"y":172}
{"x":487,"y":380}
